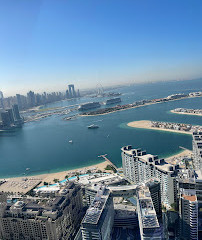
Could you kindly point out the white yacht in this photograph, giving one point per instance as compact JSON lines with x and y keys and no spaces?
{"x":93,"y":126}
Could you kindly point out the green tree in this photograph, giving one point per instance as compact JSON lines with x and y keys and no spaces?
{"x":110,"y":167}
{"x":174,"y":206}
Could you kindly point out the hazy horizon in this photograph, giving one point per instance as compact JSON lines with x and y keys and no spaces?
{"x":46,"y":45}
{"x":100,"y":85}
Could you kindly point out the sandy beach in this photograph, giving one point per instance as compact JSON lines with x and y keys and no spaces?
{"x":26,"y":183}
{"x":61,"y":175}
{"x":147,"y":125}
{"x":174,"y":159}
{"x":185,"y":113}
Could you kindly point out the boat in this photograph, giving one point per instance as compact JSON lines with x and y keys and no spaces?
{"x":70,"y":141}
{"x":93,"y":126}
{"x":27,"y":169}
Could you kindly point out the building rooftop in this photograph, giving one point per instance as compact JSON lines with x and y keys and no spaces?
{"x":122,"y":187}
{"x":124,"y":211}
{"x":107,"y":179}
{"x":95,"y":210}
{"x":150,"y":159}
{"x":186,"y":176}
{"x":38,"y":206}
{"x":159,"y":163}
{"x":132,"y":151}
{"x":191,"y":198}
{"x":147,"y":213}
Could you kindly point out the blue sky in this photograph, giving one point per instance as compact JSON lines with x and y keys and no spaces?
{"x":47,"y":44}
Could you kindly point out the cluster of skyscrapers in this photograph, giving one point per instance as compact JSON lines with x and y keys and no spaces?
{"x":10,"y":117}
{"x":35,"y":99}
{"x":104,"y":214}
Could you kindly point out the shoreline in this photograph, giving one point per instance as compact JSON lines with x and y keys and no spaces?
{"x":143,"y":124}
{"x":185,"y":113}
{"x":183,"y":153}
{"x":100,"y":114}
{"x":147,"y":104}
{"x":61,"y":174}
{"x":146,"y":124}
{"x":16,"y":184}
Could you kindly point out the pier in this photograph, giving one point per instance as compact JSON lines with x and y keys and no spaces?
{"x":106,"y":159}
{"x":184,"y":148}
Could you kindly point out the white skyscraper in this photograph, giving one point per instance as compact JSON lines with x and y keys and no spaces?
{"x":197,"y":150}
{"x":188,"y":210}
{"x":140,"y":167}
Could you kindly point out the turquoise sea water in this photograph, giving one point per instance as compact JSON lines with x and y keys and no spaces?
{"x":43,"y":146}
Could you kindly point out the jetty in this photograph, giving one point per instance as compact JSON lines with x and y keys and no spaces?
{"x":106,"y":159}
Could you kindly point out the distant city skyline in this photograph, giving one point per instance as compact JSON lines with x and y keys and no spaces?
{"x":33,"y":99}
{"x":50,"y":44}
{"x":63,"y":90}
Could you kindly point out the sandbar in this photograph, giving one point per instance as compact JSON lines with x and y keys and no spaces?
{"x":145,"y":124}
{"x":185,"y":113}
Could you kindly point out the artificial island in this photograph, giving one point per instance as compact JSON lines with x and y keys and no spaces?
{"x":106,"y":202}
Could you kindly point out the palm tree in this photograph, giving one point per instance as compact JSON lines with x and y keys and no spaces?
{"x":55,"y":180}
